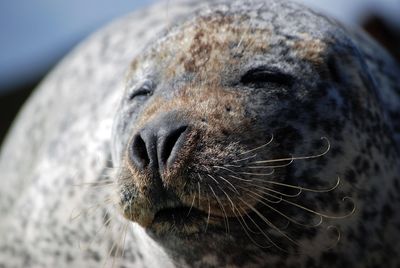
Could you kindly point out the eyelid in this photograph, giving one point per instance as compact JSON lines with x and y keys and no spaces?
{"x":145,"y":90}
{"x":263,"y":74}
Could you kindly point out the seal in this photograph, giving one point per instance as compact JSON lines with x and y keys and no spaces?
{"x":257,"y":135}
{"x":249,"y":134}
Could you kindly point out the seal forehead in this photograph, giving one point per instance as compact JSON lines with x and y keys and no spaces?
{"x":210,"y":48}
{"x":208,"y":45}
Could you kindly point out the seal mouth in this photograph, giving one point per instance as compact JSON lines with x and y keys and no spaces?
{"x":179,"y":215}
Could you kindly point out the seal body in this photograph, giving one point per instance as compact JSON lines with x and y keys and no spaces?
{"x":248,"y":133}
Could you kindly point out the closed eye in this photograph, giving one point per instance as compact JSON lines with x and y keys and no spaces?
{"x":140,"y":92}
{"x":143,"y":92}
{"x":261,"y":76}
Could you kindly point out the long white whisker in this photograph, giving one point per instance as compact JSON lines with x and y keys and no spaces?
{"x":260,"y":191}
{"x":240,"y":179}
{"x":228,"y":182}
{"x":222,"y":209}
{"x":275,"y":191}
{"x":191,"y":206}
{"x":248,"y":235}
{"x":257,"y":174}
{"x":296,"y":157}
{"x":270,"y":223}
{"x":287,"y":217}
{"x":198,"y":186}
{"x":301,"y":187}
{"x":272,"y":166}
{"x":209,"y":213}
{"x":259,"y":228}
{"x":246,"y":158}
{"x":316,"y":212}
{"x":259,"y":147}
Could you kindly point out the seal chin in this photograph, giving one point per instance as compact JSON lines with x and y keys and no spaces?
{"x":144,"y":218}
{"x":161,"y":218}
{"x":177,"y":216}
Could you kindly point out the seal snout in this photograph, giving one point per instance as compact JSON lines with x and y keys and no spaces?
{"x":157,"y":145}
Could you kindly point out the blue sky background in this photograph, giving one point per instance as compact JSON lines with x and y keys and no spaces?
{"x":34,"y":34}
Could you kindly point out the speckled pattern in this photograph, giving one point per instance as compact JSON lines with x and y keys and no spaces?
{"x":292,"y":158}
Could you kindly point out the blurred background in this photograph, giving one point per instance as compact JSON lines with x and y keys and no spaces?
{"x":36,"y":34}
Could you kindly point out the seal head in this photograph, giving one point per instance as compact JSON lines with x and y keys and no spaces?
{"x":237,"y":133}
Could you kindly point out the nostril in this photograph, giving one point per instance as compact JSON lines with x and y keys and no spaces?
{"x":139,"y":154}
{"x":170,"y":146}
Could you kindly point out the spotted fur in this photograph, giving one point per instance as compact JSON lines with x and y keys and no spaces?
{"x":297,"y":167}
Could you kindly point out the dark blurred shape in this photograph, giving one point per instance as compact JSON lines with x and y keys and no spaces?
{"x":385,"y":33}
{"x":10,"y":103}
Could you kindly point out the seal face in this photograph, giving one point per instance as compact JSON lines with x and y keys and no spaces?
{"x":241,"y":130}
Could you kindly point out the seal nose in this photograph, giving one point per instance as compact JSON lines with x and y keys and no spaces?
{"x":157,"y":145}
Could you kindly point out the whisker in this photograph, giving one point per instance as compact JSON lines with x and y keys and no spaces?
{"x":259,"y":147}
{"x":271,"y":225}
{"x":319,"y":213}
{"x":206,"y":168}
{"x":290,"y":218}
{"x":118,"y":247}
{"x":297,"y":157}
{"x":239,"y":208}
{"x":241,"y":39}
{"x":228,"y":182}
{"x":105,"y":224}
{"x":301,"y":187}
{"x":222,"y":209}
{"x":90,"y":209}
{"x":338,"y":236}
{"x":240,"y":179}
{"x":258,"y":174}
{"x":246,"y":158}
{"x":213,"y":178}
{"x":273,"y":166}
{"x":227,"y":196}
{"x":322,"y":214}
{"x":209,"y":213}
{"x":248,"y":235}
{"x":269,"y":200}
{"x":113,"y":245}
{"x":259,"y":228}
{"x":123,"y":242}
{"x":275,"y":191}
{"x":191,"y":206}
{"x":198,"y":186}
{"x":95,"y":185}
{"x":226,"y":169}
